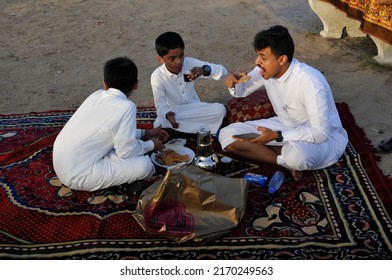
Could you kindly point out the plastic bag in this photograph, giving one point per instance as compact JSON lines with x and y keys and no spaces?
{"x":191,"y":204}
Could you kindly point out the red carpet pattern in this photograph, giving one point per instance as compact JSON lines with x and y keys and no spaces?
{"x":341,"y":212}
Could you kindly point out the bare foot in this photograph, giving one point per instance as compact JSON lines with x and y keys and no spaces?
{"x":297,"y":175}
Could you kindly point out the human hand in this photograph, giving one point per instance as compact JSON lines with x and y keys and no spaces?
{"x":195,"y":73}
{"x":171,"y":117}
{"x":158,"y":145}
{"x":234,"y":78}
{"x":267,"y":135}
{"x":157,"y":132}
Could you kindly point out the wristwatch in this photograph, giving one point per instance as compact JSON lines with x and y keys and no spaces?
{"x":280,"y":136}
{"x":207,"y":70}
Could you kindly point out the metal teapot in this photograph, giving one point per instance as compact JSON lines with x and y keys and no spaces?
{"x":205,"y":159}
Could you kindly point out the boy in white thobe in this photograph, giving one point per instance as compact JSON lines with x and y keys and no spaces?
{"x":177,"y":103}
{"x":100,"y":146}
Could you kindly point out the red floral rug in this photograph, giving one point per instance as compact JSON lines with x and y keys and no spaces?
{"x":341,"y":212}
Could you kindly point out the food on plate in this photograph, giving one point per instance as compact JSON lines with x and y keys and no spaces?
{"x":244,"y":79}
{"x":170,"y":157}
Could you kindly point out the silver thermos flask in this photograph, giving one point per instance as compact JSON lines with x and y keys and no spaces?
{"x":205,"y":159}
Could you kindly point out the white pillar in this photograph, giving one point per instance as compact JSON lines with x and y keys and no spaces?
{"x":335,"y":20}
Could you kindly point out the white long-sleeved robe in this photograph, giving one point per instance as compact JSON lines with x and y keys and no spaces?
{"x":306,"y":114}
{"x":100,"y":146}
{"x":172,"y":93}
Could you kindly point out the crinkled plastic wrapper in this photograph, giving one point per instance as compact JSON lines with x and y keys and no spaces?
{"x":189,"y":204}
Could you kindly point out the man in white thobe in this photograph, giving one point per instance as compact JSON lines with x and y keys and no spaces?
{"x":307,"y":133}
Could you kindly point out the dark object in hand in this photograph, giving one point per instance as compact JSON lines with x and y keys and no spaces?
{"x":186,"y":78}
{"x":246,"y":136}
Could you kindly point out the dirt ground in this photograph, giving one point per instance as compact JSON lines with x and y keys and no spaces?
{"x":52,"y":52}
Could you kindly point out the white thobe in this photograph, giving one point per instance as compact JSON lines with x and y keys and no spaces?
{"x":172,"y":93}
{"x":306,"y":114}
{"x":100,"y":145}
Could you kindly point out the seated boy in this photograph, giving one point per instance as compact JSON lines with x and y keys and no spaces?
{"x":100,"y":146}
{"x":173,"y":86}
{"x":306,"y":133}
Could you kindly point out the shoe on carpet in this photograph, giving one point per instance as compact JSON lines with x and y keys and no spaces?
{"x":135,"y":188}
{"x":385,"y":146}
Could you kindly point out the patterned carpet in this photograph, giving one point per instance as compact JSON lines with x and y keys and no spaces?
{"x":341,"y":212}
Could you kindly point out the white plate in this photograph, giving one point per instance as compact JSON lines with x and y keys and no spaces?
{"x":181,"y":151}
{"x":175,"y":143}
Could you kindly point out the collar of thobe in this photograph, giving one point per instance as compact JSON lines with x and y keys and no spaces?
{"x":170,"y":74}
{"x":287,"y":74}
{"x":116,"y":92}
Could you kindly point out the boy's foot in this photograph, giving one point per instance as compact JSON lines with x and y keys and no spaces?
{"x":297,"y":175}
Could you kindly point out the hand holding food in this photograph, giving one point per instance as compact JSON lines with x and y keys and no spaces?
{"x":244,"y":79}
{"x":235,"y":78}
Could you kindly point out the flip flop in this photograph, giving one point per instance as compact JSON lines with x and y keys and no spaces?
{"x":385,"y":146}
{"x":135,"y":188}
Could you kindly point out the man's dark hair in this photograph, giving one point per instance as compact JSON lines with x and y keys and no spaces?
{"x":168,"y":41}
{"x":120,"y":73}
{"x":278,"y":39}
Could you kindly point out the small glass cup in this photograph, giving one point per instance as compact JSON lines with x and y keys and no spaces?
{"x":186,"y":77}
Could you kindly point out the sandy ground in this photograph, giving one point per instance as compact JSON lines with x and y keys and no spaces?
{"x":52,"y":52}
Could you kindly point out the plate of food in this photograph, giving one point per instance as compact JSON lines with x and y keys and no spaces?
{"x":173,"y":156}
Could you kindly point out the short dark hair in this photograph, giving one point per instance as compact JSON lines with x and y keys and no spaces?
{"x":168,"y":41}
{"x":120,"y":73}
{"x":278,"y":39}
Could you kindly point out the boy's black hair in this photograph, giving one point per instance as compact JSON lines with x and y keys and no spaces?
{"x":168,"y":41}
{"x":278,"y":39}
{"x":120,"y":73}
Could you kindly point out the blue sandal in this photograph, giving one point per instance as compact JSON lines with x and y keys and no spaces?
{"x":385,"y":146}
